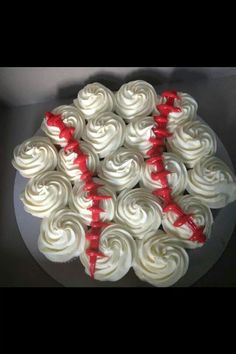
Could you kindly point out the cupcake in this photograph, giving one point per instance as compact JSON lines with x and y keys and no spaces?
{"x":176,"y":177}
{"x":105,"y":133}
{"x":46,"y":192}
{"x":81,"y":202}
{"x":160,"y":259}
{"x":188,"y":110}
{"x":199,"y":213}
{"x":139,"y":210}
{"x":137,"y":134}
{"x":94,"y":99}
{"x":192,"y":141}
{"x":119,"y":248}
{"x":66,"y":161}
{"x":212,"y":181}
{"x":71,"y":117}
{"x":62,"y":236}
{"x":35,"y":155}
{"x":121,"y":169}
{"x":135,"y":98}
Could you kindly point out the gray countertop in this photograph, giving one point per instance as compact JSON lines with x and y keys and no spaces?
{"x":217,"y":105}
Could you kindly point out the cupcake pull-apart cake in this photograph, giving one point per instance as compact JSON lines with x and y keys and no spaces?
{"x":121,"y":169}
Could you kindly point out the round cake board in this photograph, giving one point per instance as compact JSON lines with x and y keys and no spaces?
{"x":72,"y":274}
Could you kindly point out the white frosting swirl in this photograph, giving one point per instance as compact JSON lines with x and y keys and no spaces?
{"x":62,"y":236}
{"x":117,"y":244}
{"x":188,"y":107}
{"x":212,"y":181}
{"x":139,"y":210}
{"x":93,"y":99}
{"x":138,"y":132}
{"x":66,"y":161}
{"x":201,"y":215}
{"x":135,"y":98}
{"x":160,"y":259}
{"x":72,"y":117}
{"x":35,"y":155}
{"x":80,"y":202}
{"x":105,"y":133}
{"x":46,"y":192}
{"x":121,"y":169}
{"x":177,"y":180}
{"x":192,"y":141}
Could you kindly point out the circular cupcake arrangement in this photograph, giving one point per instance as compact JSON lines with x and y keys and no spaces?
{"x":124,"y":180}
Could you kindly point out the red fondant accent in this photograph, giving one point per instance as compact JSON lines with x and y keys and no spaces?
{"x":156,"y":158}
{"x":165,"y":109}
{"x":161,"y":120}
{"x":170,"y":94}
{"x":86,"y":176}
{"x":99,"y":224}
{"x":165,"y":194}
{"x":183,"y":219}
{"x":67,"y":133}
{"x":54,"y":120}
{"x":198,"y":235}
{"x":161,"y":176}
{"x":174,"y":208}
{"x":161,"y":132}
{"x":73,"y":145}
{"x":156,"y":141}
{"x":99,"y":197}
{"x":90,"y":186}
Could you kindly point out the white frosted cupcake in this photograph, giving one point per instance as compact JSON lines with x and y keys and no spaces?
{"x":188,"y":110}
{"x":119,"y":248}
{"x":177,"y":179}
{"x":105,"y":133}
{"x":160,"y":260}
{"x":46,"y":192}
{"x":121,"y":169}
{"x":192,"y":141}
{"x":71,"y":117}
{"x":66,"y":161}
{"x":80,"y":201}
{"x":94,"y":99}
{"x":201,"y":215}
{"x":212,"y":181}
{"x":62,"y":236}
{"x":139,"y":210}
{"x":135,"y":98}
{"x":35,"y":155}
{"x":138,"y":132}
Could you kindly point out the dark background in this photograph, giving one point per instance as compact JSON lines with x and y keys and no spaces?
{"x":215,"y":91}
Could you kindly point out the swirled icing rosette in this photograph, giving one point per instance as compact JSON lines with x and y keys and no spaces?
{"x":119,"y":248}
{"x":200,"y":213}
{"x":212,"y":181}
{"x":139,"y":210}
{"x":121,"y":169}
{"x":135,"y":98}
{"x":188,"y":110}
{"x":105,"y":133}
{"x":80,"y":202}
{"x":66,"y":161}
{"x":192,"y":141}
{"x":160,"y":259}
{"x":94,"y":99}
{"x":177,"y":179}
{"x":71,"y":117}
{"x":62,"y":236}
{"x":35,"y":155}
{"x":138,"y":132}
{"x":46,"y":192}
